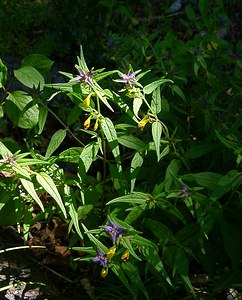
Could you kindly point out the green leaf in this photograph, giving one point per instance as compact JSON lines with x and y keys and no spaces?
{"x":203,"y":6}
{"x":126,"y":243}
{"x":225,"y":184}
{"x":30,"y":77}
{"x":29,"y":187}
{"x":176,"y":90}
{"x":39,"y":61}
{"x":206,"y":179}
{"x":95,"y":241}
{"x":81,"y":60}
{"x":152,"y":256}
{"x":111,"y":135}
{"x":55,"y":142}
{"x":232,"y":240}
{"x":190,"y":13}
{"x":200,"y":150}
{"x":49,"y":186}
{"x":20,"y":111}
{"x":156,"y":101}
{"x":133,"y":274}
{"x":143,"y":242}
{"x":156,"y":134}
{"x":165,"y":151}
{"x":70,"y":202}
{"x":120,"y":274}
{"x":148,"y":89}
{"x":101,"y":95}
{"x":43,"y":113}
{"x":87,"y":156}
{"x":196,"y":68}
{"x":181,"y":267}
{"x":3,"y":74}
{"x":136,"y":164}
{"x":161,"y":231}
{"x":71,"y":155}
{"x":131,"y":142}
{"x":135,"y":198}
{"x":4,"y":151}
{"x":137,"y":102}
{"x":171,"y":171}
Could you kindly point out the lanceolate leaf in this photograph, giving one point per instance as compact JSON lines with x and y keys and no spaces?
{"x":137,"y":102}
{"x":49,"y":186}
{"x":43,"y":112}
{"x":132,"y":142}
{"x":156,"y":134}
{"x":135,"y":198}
{"x":111,"y":135}
{"x":148,"y":89}
{"x":126,"y":243}
{"x":156,"y":101}
{"x":136,"y":164}
{"x":94,"y":240}
{"x":3,"y":74}
{"x":29,"y":187}
{"x":55,"y":142}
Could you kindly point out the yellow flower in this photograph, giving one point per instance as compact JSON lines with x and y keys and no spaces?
{"x":212,"y":46}
{"x":111,"y":252}
{"x":148,"y":58}
{"x":96,"y":125}
{"x":87,"y":122}
{"x":125,"y":255}
{"x":87,"y":101}
{"x":104,"y":272}
{"x":143,"y":122}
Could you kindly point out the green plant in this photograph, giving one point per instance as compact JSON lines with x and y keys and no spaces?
{"x":149,"y":199}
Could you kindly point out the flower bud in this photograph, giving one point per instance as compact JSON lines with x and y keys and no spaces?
{"x":87,"y":101}
{"x":87,"y":122}
{"x":104,"y":272}
{"x":143,"y":122}
{"x":125,"y":255}
{"x":111,"y":252}
{"x":96,"y":125}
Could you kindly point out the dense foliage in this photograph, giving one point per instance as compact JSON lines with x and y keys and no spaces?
{"x":142,"y":159}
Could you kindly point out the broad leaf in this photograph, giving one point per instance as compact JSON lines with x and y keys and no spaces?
{"x":39,"y":61}
{"x":30,"y":77}
{"x":21,"y":111}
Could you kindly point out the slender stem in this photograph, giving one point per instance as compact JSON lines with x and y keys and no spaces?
{"x":65,"y":126}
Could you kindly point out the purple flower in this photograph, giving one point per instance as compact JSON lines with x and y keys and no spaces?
{"x":184,"y":192}
{"x":114,"y":230}
{"x":85,"y":76}
{"x":128,"y":78}
{"x":101,"y":259}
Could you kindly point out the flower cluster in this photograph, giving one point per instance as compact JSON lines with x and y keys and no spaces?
{"x":104,"y":258}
